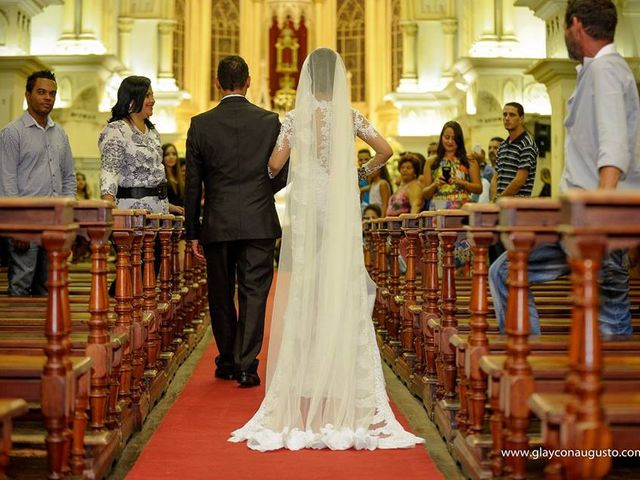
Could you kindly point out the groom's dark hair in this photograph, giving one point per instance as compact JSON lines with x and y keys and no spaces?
{"x":233,"y":72}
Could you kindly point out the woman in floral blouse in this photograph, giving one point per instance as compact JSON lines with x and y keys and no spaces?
{"x":132,"y":172}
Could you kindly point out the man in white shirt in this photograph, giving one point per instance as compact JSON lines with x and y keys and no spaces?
{"x":601,"y":151}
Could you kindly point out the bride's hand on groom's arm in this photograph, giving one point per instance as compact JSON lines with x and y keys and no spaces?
{"x":197,"y":250}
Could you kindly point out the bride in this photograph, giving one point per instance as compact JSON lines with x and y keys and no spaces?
{"x":325,"y":386}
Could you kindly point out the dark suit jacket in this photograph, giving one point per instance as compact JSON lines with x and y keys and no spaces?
{"x":228,"y":149}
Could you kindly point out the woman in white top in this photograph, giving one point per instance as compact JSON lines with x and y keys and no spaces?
{"x":380,"y":190}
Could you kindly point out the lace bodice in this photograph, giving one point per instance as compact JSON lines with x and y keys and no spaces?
{"x":361,"y":128}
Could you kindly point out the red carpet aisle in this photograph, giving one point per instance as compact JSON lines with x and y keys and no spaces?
{"x":191,"y":442}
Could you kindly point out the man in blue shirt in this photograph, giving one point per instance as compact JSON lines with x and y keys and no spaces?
{"x":602,"y":128}
{"x":35,"y":161}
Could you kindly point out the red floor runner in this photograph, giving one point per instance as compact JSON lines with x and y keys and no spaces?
{"x":191,"y":442}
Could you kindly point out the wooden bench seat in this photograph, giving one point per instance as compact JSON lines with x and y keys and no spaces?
{"x":30,"y":342}
{"x":30,"y":366}
{"x":560,"y":342}
{"x":619,"y":407}
{"x":9,"y":409}
{"x":546,"y":367}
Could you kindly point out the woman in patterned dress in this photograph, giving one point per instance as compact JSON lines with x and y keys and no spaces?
{"x":132,"y":173}
{"x":453,"y":189}
{"x":451,"y":177}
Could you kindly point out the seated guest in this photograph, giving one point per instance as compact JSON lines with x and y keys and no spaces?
{"x":175,"y":179}
{"x":408,"y":196}
{"x":35,"y":161}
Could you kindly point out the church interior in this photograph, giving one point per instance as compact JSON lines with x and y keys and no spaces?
{"x":89,"y":383}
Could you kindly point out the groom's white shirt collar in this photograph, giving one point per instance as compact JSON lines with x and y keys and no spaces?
{"x":231,"y":95}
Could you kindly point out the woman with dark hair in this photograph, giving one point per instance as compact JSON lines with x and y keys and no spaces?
{"x":371,"y":211}
{"x":132,"y":174}
{"x":175,"y":179}
{"x":82,"y":188}
{"x":451,"y":176}
{"x":408,"y":197}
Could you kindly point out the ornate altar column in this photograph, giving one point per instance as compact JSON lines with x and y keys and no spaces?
{"x":287,"y":47}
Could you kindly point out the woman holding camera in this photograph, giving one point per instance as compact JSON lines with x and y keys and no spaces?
{"x":451,"y":176}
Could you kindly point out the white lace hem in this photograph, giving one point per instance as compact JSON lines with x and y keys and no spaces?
{"x":265,"y":440}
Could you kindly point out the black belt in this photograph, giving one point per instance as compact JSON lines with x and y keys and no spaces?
{"x":140,"y":192}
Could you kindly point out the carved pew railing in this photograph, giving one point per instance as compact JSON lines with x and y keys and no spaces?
{"x":524,"y":224}
{"x":406,"y":361}
{"x":50,"y":223}
{"x":593,"y":223}
{"x":95,"y":220}
{"x":430,"y":306}
{"x":481,"y":234}
{"x":379,"y":232}
{"x":392,"y":347}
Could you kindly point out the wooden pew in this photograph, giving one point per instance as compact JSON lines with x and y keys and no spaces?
{"x":405,"y":363}
{"x":392,"y":346}
{"x":64,"y":382}
{"x":524,"y":224}
{"x":450,"y":225}
{"x":585,"y":418}
{"x":9,"y":409}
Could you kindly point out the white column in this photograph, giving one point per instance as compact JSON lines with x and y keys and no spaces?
{"x":449,"y":28}
{"x":125,"y":26}
{"x":69,"y":20}
{"x":559,"y":76}
{"x":165,"y":55}
{"x":323,"y":32}
{"x":409,"y":63}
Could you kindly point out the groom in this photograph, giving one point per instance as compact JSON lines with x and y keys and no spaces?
{"x":228,"y":148}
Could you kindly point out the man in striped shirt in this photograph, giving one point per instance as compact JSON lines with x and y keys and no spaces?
{"x":517,"y":156}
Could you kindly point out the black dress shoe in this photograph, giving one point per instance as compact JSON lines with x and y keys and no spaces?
{"x":225,"y":374}
{"x":248,"y":379}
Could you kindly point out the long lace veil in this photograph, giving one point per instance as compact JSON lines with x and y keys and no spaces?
{"x":318,"y":372}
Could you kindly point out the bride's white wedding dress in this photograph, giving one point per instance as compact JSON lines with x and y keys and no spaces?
{"x":325,"y":385}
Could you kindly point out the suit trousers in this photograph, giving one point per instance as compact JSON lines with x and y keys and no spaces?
{"x":239,"y":333}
